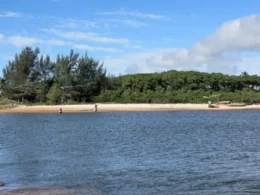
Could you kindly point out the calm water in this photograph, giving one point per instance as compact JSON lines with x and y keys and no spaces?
{"x":164,"y":153}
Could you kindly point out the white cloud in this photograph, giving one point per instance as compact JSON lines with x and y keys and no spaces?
{"x":78,"y":35}
{"x":126,"y":22}
{"x":58,"y":42}
{"x":132,"y":69}
{"x":10,"y":14}
{"x":124,"y":64}
{"x":1,"y":37}
{"x":134,"y":14}
{"x":74,"y":23}
{"x":242,"y":33}
{"x":90,"y":48}
{"x":221,"y":51}
{"x":20,"y":41}
{"x":133,"y":46}
{"x":250,"y":64}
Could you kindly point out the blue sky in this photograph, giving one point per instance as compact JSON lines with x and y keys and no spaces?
{"x":138,"y":36}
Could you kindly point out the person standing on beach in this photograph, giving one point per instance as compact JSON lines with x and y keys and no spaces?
{"x":95,"y":108}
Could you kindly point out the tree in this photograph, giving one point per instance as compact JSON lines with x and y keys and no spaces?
{"x":32,"y":77}
{"x":54,"y":95}
{"x":42,"y":91}
{"x":19,"y":74}
{"x":90,"y":78}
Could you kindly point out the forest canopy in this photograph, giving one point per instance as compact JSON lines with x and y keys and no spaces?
{"x":33,"y":78}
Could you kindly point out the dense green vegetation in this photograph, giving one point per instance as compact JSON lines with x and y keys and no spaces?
{"x":31,"y":77}
{"x":34,"y":78}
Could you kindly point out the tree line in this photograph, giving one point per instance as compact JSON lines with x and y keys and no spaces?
{"x":32,"y":77}
{"x":72,"y":78}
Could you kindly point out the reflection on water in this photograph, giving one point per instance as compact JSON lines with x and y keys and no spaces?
{"x":195,"y":152}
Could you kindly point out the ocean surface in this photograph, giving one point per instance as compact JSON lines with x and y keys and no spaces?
{"x":142,"y":153}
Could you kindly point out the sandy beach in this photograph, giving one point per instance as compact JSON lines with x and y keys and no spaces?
{"x":119,"y":108}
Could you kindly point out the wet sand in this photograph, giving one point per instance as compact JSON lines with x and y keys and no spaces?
{"x":119,"y":107}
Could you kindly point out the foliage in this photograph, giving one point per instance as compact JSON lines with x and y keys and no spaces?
{"x":54,"y":94}
{"x":5,"y":101}
{"x":33,"y":78}
{"x":72,"y":78}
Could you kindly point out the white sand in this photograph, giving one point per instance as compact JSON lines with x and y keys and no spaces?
{"x":119,"y":107}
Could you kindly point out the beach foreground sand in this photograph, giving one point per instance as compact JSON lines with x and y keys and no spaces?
{"x":119,"y":107}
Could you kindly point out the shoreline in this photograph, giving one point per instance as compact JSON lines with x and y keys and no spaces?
{"x":102,"y":107}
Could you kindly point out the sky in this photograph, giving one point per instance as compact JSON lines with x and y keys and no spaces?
{"x":138,"y":36}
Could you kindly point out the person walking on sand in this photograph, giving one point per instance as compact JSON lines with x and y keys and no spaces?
{"x":95,"y":109}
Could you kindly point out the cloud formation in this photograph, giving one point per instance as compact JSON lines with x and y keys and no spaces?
{"x":1,"y":37}
{"x":134,"y":14}
{"x":126,"y":22}
{"x":91,"y":48}
{"x":74,"y":23}
{"x":9,"y":14}
{"x":221,"y":51}
{"x":78,"y":35}
{"x":21,"y":41}
{"x":71,"y":23}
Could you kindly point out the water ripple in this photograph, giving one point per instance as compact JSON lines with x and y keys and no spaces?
{"x":191,"y":153}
